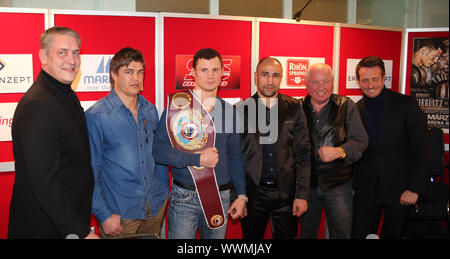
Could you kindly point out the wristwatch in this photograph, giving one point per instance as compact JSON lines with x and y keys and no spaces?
{"x":244,"y":197}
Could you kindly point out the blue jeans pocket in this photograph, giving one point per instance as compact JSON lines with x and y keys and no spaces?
{"x":180,"y":195}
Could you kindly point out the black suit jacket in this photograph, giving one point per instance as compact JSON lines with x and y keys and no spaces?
{"x":53,"y":186}
{"x":292,"y":152}
{"x":401,"y":159}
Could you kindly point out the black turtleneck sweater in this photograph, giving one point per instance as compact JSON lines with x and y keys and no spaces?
{"x":373,"y":109}
{"x":67,"y":91}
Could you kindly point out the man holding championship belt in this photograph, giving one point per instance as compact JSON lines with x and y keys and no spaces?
{"x":200,"y":142}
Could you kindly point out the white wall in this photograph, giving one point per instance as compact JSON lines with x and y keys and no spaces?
{"x":116,"y":5}
{"x":391,"y":13}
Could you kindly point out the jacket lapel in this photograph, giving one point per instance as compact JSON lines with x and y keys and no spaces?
{"x":69,"y":108}
{"x":282,"y":111}
{"x":362,"y":112}
{"x":386,"y":107}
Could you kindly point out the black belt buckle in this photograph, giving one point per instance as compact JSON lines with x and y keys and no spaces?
{"x":269,"y":183}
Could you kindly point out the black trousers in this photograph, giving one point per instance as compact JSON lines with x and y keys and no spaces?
{"x":269,"y":206}
{"x":367,"y":215}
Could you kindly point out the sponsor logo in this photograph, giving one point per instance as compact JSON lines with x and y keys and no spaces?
{"x":94,"y":74}
{"x":294,"y":70}
{"x":16,"y":73}
{"x":6,"y":118}
{"x":230,"y":78}
{"x":2,"y":64}
{"x":351,"y":82}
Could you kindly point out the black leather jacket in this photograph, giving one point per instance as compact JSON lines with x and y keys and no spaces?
{"x":332,"y":133}
{"x":292,"y":152}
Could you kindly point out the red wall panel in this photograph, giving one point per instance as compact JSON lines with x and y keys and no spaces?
{"x":102,"y":34}
{"x":358,"y":43}
{"x":23,"y":32}
{"x":22,"y":35}
{"x":6,"y":185}
{"x":295,"y":40}
{"x":185,"y":36}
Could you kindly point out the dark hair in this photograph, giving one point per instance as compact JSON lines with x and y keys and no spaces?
{"x":123,"y":58}
{"x":429,"y":44}
{"x":266,"y":59}
{"x":47,"y":36}
{"x":206,"y":54}
{"x":370,"y":61}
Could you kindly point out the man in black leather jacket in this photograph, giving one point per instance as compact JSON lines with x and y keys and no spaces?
{"x":276,"y":151}
{"x":338,"y":139}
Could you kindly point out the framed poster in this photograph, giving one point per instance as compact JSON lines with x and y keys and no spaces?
{"x":427,"y":74}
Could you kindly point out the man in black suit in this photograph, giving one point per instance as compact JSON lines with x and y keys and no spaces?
{"x":392,"y":171}
{"x":53,"y":185}
{"x":276,"y":150}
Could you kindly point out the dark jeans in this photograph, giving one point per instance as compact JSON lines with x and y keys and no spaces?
{"x":269,"y":206}
{"x":338,"y":205}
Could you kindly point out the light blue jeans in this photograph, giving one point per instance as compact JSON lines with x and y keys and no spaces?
{"x":186,"y":216}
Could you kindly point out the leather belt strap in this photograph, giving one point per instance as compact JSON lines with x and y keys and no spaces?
{"x":222,"y":187}
{"x":191,"y":129}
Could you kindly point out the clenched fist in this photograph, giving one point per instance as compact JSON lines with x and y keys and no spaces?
{"x":209,"y":157}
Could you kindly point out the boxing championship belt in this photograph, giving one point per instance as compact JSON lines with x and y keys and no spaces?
{"x":191,"y":129}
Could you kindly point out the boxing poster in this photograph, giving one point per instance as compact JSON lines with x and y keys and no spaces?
{"x":429,"y":78}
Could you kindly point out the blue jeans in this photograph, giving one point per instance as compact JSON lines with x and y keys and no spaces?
{"x":186,"y":216}
{"x":338,"y":205}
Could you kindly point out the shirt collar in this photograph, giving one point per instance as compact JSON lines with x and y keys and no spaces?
{"x":117,"y":103}
{"x":256,"y":97}
{"x":333,"y":99}
{"x":377,"y":99}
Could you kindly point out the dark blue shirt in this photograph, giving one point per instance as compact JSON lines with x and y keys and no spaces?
{"x":230,"y":166}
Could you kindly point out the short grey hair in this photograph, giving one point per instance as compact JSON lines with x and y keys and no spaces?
{"x":47,"y":36}
{"x":319,"y":66}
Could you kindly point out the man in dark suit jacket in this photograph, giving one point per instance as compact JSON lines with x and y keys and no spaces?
{"x":276,"y":151}
{"x":392,"y":171}
{"x":53,"y":185}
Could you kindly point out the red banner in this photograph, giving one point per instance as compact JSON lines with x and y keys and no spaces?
{"x":231,"y":38}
